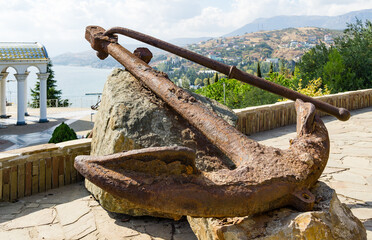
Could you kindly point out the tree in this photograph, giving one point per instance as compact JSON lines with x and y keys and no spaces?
{"x":271,"y":68}
{"x":185,"y":83}
{"x":52,"y":92}
{"x":259,"y":70}
{"x":198,"y":82}
{"x":216,"y":77}
{"x":312,"y":62}
{"x":238,"y":94}
{"x":62,"y":133}
{"x":345,"y":66}
{"x":334,"y":73}
{"x":355,"y":47}
{"x":206,"y":81}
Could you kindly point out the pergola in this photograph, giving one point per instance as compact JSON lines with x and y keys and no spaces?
{"x":21,"y":56}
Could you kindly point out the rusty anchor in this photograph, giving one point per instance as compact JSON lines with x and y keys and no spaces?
{"x":265,"y":178}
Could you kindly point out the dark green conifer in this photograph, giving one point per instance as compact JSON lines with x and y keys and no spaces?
{"x":259,"y":70}
{"x":271,"y":68}
{"x":52,"y":92}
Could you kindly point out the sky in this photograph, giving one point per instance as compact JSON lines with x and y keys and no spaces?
{"x":60,"y":24}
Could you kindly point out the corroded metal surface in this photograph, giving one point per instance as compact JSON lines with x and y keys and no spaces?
{"x":166,"y":179}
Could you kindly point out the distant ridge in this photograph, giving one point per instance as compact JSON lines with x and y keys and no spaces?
{"x":281,"y":22}
{"x":89,"y":58}
{"x":185,"y":41}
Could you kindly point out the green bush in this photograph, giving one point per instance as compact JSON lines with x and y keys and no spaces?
{"x":62,"y":133}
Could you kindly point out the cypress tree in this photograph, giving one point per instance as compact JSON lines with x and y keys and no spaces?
{"x":216,"y":78}
{"x":52,"y":92}
{"x":271,"y":68}
{"x":259,"y":70}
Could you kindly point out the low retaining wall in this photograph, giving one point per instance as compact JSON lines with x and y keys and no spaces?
{"x":266,"y":117}
{"x":35,"y":169}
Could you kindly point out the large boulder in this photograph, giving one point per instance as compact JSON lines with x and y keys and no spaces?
{"x":130,"y":117}
{"x":330,"y":219}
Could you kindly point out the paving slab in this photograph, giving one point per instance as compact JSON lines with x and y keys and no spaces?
{"x":70,"y":212}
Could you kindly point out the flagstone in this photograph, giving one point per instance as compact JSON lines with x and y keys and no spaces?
{"x":81,"y":228}
{"x":70,"y":212}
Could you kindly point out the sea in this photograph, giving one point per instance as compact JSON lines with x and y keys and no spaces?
{"x":82,"y":86}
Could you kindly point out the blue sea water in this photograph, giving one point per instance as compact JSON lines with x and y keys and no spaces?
{"x":75,"y":82}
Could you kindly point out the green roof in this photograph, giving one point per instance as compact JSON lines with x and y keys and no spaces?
{"x":18,"y":51}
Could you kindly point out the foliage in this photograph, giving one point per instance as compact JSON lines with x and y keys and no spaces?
{"x":259,"y":70}
{"x":286,"y":81}
{"x":52,"y":92}
{"x":237,"y":94}
{"x":185,"y":83}
{"x":312,"y":62}
{"x":241,"y":95}
{"x":313,"y":88}
{"x":62,"y":133}
{"x":345,"y":66}
{"x":271,"y":68}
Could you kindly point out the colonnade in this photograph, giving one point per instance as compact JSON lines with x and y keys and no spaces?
{"x":22,"y":96}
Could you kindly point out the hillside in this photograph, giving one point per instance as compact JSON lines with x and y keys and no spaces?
{"x":288,"y":44}
{"x":281,"y":22}
{"x":245,"y":51}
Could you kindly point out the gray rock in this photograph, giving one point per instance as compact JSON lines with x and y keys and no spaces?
{"x":330,"y":219}
{"x":131,"y":116}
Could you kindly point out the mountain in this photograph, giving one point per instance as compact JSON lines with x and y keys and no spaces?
{"x":186,"y":41}
{"x":287,"y":44}
{"x":89,"y":58}
{"x":86,"y":58}
{"x":281,"y":22}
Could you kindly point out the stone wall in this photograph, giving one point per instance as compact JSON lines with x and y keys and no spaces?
{"x":266,"y":117}
{"x":35,"y":169}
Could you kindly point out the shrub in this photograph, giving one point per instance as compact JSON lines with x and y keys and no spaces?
{"x":62,"y":133}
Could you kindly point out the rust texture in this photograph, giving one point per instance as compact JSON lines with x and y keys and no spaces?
{"x":264,"y":178}
{"x":165,"y":179}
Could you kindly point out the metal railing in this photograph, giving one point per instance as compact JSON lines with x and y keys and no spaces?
{"x":75,"y":102}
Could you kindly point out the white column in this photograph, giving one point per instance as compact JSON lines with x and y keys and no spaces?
{"x":3,"y":76}
{"x":25,"y":98}
{"x":20,"y":98}
{"x":43,"y":96}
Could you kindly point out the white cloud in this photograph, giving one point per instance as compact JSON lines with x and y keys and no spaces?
{"x":60,"y":24}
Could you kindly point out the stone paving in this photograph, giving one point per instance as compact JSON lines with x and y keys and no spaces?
{"x":349,"y":168}
{"x":71,"y":213}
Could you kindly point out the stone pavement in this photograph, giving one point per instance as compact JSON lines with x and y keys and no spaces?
{"x":349,"y":168}
{"x":71,"y":213}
